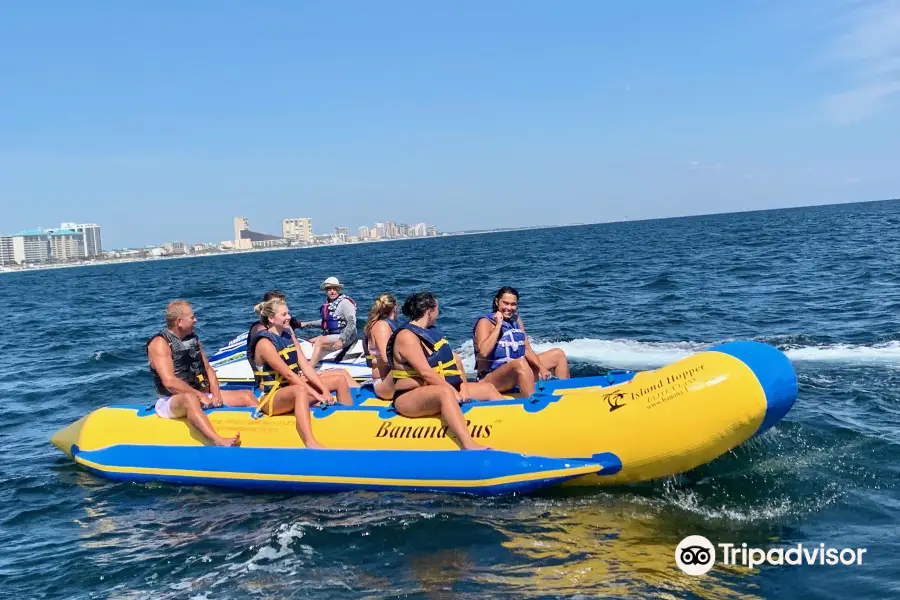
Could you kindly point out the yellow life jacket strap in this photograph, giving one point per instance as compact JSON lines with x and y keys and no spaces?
{"x":273,"y":373}
{"x":444,"y":369}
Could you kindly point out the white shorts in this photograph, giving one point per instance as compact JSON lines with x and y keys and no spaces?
{"x":163,"y":409}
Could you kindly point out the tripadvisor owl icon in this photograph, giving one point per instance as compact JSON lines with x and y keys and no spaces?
{"x":695,"y":555}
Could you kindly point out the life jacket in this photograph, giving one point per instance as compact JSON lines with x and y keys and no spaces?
{"x":252,"y":339}
{"x":186,"y":359}
{"x":268,"y":380}
{"x":331,"y":322}
{"x":510,"y":345}
{"x":251,"y":343}
{"x":441,"y":358}
{"x":372,"y":357}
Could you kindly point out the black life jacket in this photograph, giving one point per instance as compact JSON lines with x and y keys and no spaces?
{"x":187,"y":360}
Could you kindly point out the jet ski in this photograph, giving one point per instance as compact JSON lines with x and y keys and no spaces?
{"x":234,"y":371}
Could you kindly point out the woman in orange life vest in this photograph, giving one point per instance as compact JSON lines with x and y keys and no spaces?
{"x":381,"y":324}
{"x":429,"y":378}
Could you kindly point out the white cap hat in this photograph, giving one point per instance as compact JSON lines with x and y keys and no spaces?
{"x":331,"y":282}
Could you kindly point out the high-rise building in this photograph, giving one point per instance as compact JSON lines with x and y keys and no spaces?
{"x":419,"y":230}
{"x":7,"y":257}
{"x":403,"y":230}
{"x":390,"y":229}
{"x":176,"y":248}
{"x":341,"y":233}
{"x":363,"y":233}
{"x":433,"y":230}
{"x":240,"y":224}
{"x":379,"y":231}
{"x":66,"y":245}
{"x":297,"y":230}
{"x":31,"y":246}
{"x":92,"y":243}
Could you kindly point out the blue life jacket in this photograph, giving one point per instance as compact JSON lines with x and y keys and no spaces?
{"x":331,"y":322}
{"x":268,"y":379}
{"x":186,"y":360}
{"x":252,"y":339}
{"x":510,"y":344}
{"x":441,"y":358}
{"x":372,"y":357}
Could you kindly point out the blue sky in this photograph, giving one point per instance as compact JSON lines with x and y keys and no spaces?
{"x":162,"y":121}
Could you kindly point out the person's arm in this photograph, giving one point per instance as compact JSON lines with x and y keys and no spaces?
{"x":486,"y":334}
{"x":316,"y":386}
{"x":463,"y":394}
{"x":532,"y":357}
{"x":411,"y":353}
{"x":347,"y":311}
{"x":266,"y":352}
{"x":161,"y":358}
{"x":210,"y":375}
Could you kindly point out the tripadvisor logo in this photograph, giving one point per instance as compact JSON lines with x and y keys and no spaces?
{"x":696,"y":555}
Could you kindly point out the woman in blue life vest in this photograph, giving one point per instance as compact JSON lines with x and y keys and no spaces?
{"x":429,"y":378}
{"x":381,"y":324}
{"x":503,"y":354}
{"x":334,"y":379}
{"x":280,"y":371}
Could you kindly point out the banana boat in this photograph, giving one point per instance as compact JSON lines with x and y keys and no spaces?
{"x":608,"y":430}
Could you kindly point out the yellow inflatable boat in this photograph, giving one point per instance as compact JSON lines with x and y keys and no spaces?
{"x":623,"y":427}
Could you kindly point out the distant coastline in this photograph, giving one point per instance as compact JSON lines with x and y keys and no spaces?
{"x":109,"y":261}
{"x":131,"y":259}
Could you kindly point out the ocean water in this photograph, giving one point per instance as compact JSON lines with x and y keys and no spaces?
{"x":822,"y":284}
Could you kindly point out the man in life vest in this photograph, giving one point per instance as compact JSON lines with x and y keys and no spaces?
{"x":185,"y":383}
{"x":338,"y":320}
{"x":503,"y":354}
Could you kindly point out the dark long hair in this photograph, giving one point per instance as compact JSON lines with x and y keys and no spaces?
{"x":506,"y":289}
{"x":416,"y":305}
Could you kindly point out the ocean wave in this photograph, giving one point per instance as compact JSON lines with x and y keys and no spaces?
{"x":632,"y":354}
{"x":887,"y":352}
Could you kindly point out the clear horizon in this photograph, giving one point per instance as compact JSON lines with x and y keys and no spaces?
{"x":164,"y":123}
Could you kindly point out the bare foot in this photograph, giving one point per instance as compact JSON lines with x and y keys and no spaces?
{"x":315,"y":446}
{"x":229,"y":442}
{"x":474,"y":446}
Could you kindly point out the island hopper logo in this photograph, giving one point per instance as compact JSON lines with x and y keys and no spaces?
{"x":615,"y":400}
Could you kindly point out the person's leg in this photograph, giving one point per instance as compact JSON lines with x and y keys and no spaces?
{"x":514,"y":373}
{"x":322,"y":345}
{"x":188,"y":405}
{"x":431,"y":400}
{"x":294,"y":398}
{"x":239,"y":398}
{"x":555,"y":361}
{"x":483,"y":390}
{"x":335,"y":380}
{"x":384,"y":388}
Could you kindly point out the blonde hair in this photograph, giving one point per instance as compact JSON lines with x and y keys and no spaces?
{"x":381,"y":308}
{"x":267,"y":309}
{"x":175,"y":310}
